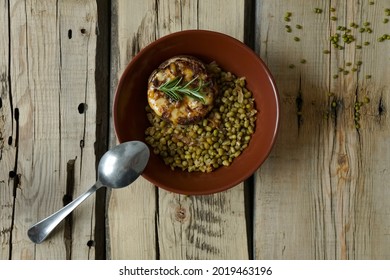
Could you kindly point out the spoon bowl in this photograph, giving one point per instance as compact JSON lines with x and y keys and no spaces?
{"x":122,"y":165}
{"x":118,"y":168}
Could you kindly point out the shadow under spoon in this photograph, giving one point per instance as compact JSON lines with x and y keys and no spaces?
{"x":118,"y":168}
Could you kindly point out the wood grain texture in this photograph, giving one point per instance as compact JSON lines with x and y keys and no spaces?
{"x":102,"y":85}
{"x":7,"y":152}
{"x":181,"y":227}
{"x":323,"y":192}
{"x":50,"y":64}
{"x":133,"y":208}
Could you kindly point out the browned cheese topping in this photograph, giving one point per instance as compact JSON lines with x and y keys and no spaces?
{"x":186,"y":73}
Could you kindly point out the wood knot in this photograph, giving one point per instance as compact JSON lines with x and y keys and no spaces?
{"x":343,"y":167}
{"x":342,"y":159}
{"x":181,"y":214}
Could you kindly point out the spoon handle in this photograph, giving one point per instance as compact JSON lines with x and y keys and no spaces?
{"x":39,"y":231}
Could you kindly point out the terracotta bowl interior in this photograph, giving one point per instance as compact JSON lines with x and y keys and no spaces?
{"x":130,"y":100}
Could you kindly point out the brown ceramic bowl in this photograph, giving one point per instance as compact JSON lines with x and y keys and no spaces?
{"x":231,"y":55}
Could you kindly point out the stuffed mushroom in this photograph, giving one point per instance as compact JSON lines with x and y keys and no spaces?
{"x":181,"y":90}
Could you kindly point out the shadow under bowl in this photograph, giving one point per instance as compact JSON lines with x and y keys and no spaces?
{"x":231,"y":55}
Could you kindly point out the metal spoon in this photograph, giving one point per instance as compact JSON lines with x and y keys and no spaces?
{"x":118,"y":168}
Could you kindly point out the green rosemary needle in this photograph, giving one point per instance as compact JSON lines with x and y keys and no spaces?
{"x":174,"y":90}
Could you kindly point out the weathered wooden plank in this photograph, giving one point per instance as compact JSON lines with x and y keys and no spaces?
{"x":283,"y":183}
{"x":131,"y":210}
{"x":203,"y":227}
{"x":52,"y":56}
{"x":322,"y":193}
{"x":372,"y":205}
{"x":102,"y":85}
{"x":77,"y":37}
{"x":200,"y":227}
{"x":7,"y":151}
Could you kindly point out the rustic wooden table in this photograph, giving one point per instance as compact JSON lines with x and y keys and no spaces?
{"x":323,"y":193}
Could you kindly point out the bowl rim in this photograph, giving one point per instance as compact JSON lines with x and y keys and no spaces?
{"x":252,"y":169}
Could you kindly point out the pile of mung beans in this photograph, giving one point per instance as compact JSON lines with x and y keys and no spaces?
{"x":214,"y":141}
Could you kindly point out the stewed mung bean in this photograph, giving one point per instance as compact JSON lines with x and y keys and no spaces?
{"x":214,"y":141}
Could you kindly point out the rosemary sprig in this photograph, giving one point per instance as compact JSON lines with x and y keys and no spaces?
{"x":174,"y":90}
